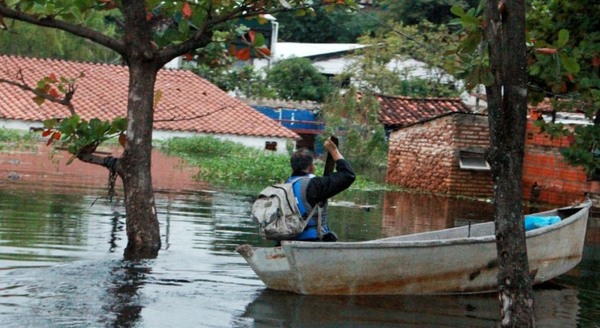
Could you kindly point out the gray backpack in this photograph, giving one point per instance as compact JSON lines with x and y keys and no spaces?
{"x":276,"y":212}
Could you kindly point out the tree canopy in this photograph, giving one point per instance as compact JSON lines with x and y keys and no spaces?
{"x":413,"y":12}
{"x":298,"y":79}
{"x":406,"y":60}
{"x":324,"y":25}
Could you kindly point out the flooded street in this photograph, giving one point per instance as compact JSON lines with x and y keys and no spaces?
{"x":62,"y":243}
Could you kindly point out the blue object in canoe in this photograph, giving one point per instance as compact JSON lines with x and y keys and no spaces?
{"x":535,"y":222}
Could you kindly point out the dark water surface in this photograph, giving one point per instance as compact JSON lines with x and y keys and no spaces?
{"x":61,"y":265}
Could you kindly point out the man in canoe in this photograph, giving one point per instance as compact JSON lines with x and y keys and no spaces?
{"x":316,"y":190}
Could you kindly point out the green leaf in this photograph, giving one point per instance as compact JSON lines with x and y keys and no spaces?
{"x":259,"y":40}
{"x":470,"y":44}
{"x":39,"y":100}
{"x":570,"y":64}
{"x":563,"y":38}
{"x":157,"y":96}
{"x":184,"y":26}
{"x":50,"y":123}
{"x":470,"y":22}
{"x":458,"y":11}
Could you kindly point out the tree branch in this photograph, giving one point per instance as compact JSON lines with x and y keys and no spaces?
{"x":201,"y":38}
{"x":175,"y":119}
{"x":66,"y":101}
{"x":78,"y":30}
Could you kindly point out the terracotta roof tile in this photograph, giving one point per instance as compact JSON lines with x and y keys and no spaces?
{"x":404,"y":111}
{"x":189,"y":103}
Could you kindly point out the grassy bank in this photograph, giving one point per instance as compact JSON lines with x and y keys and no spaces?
{"x":15,"y":139}
{"x":230,"y":164}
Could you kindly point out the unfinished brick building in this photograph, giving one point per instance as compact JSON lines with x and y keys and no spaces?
{"x":444,"y":155}
{"x":442,"y":151}
{"x":555,"y":181}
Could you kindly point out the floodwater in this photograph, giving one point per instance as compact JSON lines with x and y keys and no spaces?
{"x":62,"y":242}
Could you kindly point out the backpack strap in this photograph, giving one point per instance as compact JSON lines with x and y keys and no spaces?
{"x":319,"y":222}
{"x":300,"y":194}
{"x":299,"y":185}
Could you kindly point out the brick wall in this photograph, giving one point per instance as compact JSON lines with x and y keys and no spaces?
{"x":472,"y":132}
{"x":559,"y":182}
{"x":425,"y":156}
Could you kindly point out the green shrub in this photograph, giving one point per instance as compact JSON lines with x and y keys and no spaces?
{"x":231,"y":164}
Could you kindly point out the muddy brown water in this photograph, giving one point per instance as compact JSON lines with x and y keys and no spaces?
{"x":61,"y":263}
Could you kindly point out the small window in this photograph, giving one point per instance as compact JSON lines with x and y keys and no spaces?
{"x":271,"y":145}
{"x":473,"y":161}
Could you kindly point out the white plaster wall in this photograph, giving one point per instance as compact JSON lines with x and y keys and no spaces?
{"x":20,"y":125}
{"x":250,"y":141}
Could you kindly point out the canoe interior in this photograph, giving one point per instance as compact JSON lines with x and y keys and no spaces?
{"x":454,"y":260}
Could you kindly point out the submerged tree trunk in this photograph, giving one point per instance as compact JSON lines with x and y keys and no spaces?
{"x":142,"y":221}
{"x":507,"y":106}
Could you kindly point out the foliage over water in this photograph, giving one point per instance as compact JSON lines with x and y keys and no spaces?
{"x":231,"y":164}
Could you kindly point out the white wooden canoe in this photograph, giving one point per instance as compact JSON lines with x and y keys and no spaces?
{"x":455,"y":260}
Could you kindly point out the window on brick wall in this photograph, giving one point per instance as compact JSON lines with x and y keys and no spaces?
{"x":470,"y":160}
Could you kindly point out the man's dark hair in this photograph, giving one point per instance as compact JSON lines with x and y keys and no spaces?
{"x":301,"y":159}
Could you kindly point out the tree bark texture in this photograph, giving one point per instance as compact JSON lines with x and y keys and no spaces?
{"x":507,"y":106}
{"x":142,"y":226}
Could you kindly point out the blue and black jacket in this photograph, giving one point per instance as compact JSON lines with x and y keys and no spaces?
{"x":311,"y":191}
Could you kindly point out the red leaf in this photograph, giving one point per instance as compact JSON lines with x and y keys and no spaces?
{"x":243,"y":54}
{"x":188,"y":57}
{"x":52,"y":78}
{"x":563,"y":87}
{"x":122,"y":139}
{"x":251,"y":36}
{"x":49,"y":141}
{"x":186,"y":11}
{"x":232,"y":50}
{"x":596,"y":61}
{"x":546,"y":51}
{"x":56,"y":135}
{"x":149,"y":16}
{"x":53,"y":93}
{"x":264,"y":51}
{"x":46,"y":133}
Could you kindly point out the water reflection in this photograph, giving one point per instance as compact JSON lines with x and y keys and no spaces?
{"x":124,"y":295}
{"x":411,"y":213}
{"x":556,"y":307}
{"x":61,"y":264}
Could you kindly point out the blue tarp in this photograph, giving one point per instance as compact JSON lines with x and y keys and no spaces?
{"x":293,"y":119}
{"x":535,"y":222}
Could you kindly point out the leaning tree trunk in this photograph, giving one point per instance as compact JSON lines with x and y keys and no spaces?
{"x":507,"y":106}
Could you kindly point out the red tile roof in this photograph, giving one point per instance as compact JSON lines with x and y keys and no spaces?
{"x":189,"y":103}
{"x":404,"y":111}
